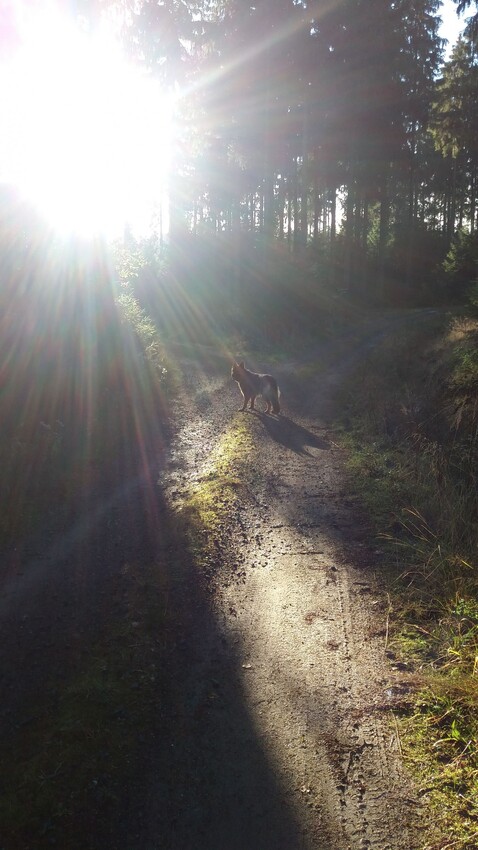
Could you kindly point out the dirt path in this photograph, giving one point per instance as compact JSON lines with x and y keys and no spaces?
{"x":291,"y":742}
{"x":268,"y":721}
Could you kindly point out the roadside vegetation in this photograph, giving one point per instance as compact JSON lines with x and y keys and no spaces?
{"x":79,"y":359}
{"x":409,"y":419}
{"x":85,"y":390}
{"x":66,"y":766}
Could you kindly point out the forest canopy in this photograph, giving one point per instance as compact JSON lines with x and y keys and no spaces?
{"x":332,"y":127}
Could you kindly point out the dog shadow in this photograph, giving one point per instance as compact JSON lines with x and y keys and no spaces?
{"x":289,"y":434}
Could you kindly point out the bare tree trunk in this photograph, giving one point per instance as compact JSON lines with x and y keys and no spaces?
{"x":280,"y":207}
{"x":333,"y":216}
{"x":452,"y":208}
{"x":349,"y":234}
{"x":268,"y":211}
{"x":318,"y":207}
{"x":473,"y":200}
{"x":289,"y":220}
{"x":383,"y":235}
{"x":295,"y":207}
{"x":251,"y":208}
{"x":365,"y":224}
{"x":304,"y":195}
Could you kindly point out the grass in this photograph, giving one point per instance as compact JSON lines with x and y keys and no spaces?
{"x":66,"y":419}
{"x":439,"y":740}
{"x":72,"y":761}
{"x":144,"y":329}
{"x":205,"y":510}
{"x":413,"y":463}
{"x":69,"y":763}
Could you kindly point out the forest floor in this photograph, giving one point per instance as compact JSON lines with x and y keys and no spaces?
{"x":266,"y":703}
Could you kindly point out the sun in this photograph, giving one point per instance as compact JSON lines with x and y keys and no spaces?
{"x":87,"y":137}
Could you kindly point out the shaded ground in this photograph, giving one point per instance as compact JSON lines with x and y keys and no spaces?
{"x":270,"y":724}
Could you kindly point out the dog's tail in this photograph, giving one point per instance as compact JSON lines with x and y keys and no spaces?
{"x":275,"y":400}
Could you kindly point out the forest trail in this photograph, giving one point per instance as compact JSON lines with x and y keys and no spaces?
{"x":292,"y":744}
{"x":253,"y":704}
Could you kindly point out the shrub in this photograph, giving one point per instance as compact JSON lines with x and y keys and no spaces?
{"x":461,"y":264}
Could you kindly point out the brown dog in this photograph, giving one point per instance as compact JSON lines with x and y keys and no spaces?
{"x":252,"y":384}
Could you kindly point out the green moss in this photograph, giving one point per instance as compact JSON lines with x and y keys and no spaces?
{"x":210,"y":500}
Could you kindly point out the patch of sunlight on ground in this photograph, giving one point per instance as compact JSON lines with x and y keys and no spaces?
{"x":461,"y":328}
{"x":281,"y":657}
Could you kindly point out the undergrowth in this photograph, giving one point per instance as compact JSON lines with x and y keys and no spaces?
{"x":68,"y":766}
{"x":72,"y":400}
{"x":410,"y":424}
{"x":83,"y":398}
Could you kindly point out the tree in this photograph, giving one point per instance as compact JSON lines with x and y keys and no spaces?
{"x":292,"y":109}
{"x":455,"y":131}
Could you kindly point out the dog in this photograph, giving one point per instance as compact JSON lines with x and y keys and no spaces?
{"x":252,"y":384}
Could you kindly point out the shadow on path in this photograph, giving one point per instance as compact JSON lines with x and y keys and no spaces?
{"x":212,"y":786}
{"x":195,"y":776}
{"x":289,"y":434}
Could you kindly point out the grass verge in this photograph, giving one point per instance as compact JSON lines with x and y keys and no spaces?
{"x":413,"y":464}
{"x":66,"y":767}
{"x":73,"y":749}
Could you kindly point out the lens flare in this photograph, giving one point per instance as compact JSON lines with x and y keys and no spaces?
{"x":86,"y":136}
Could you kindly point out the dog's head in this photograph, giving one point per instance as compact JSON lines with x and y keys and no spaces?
{"x":236,"y":370}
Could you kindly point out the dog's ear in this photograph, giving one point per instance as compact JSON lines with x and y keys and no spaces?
{"x":241,"y":364}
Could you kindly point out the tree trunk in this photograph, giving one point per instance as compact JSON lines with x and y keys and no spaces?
{"x":349,"y":233}
{"x":333,"y":216}
{"x":281,"y":207}
{"x":317,"y":207}
{"x":304,"y":199}
{"x":295,"y":207}
{"x":384,"y":227}
{"x":473,"y":200}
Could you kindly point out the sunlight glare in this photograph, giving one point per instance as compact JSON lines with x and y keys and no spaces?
{"x":86,"y":137}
